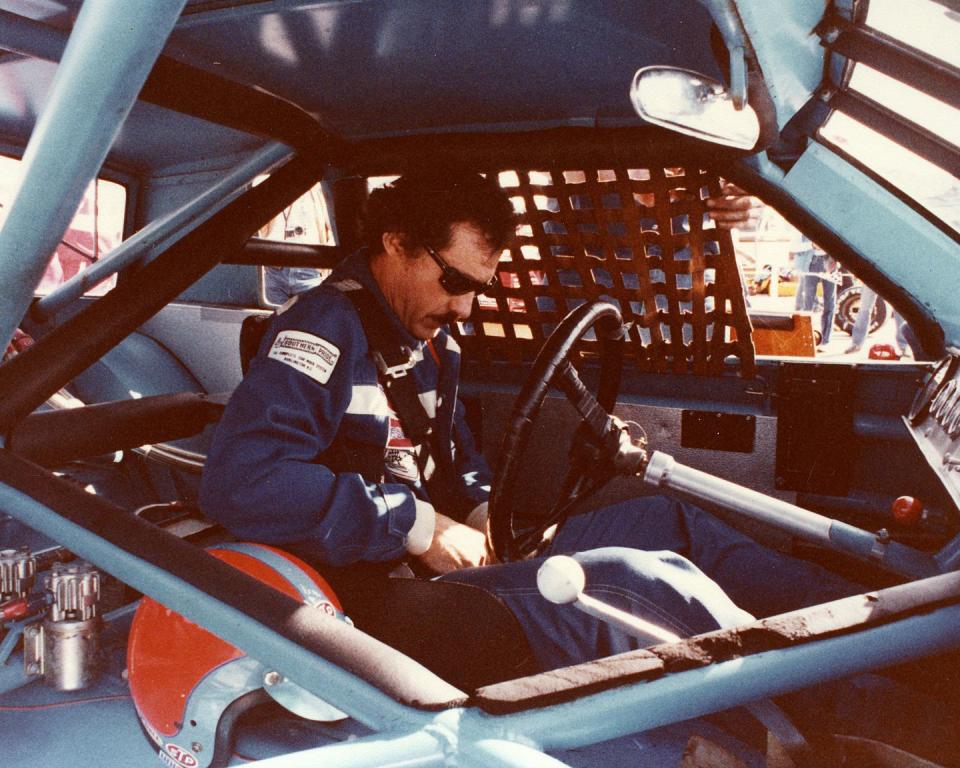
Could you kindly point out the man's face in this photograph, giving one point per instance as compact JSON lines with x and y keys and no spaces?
{"x":411,"y":281}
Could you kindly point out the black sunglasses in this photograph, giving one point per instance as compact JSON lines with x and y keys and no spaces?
{"x":455,"y":282}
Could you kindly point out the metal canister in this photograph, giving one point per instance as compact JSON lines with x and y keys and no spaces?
{"x":71,"y":631}
{"x":18,"y":570}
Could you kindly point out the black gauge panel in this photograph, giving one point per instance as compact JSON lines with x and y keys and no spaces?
{"x":932,"y":388}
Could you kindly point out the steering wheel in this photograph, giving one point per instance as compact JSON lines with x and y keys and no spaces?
{"x":587,"y":472}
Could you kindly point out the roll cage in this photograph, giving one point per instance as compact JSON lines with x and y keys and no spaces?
{"x":415,"y":714}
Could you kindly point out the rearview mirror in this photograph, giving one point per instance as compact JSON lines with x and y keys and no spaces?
{"x":688,"y":102}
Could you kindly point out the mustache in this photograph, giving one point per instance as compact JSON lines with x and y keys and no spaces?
{"x":447,"y":318}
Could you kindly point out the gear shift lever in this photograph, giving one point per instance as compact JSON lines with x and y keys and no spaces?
{"x":561,"y":580}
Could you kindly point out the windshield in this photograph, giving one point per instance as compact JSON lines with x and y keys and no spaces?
{"x":903,"y":123}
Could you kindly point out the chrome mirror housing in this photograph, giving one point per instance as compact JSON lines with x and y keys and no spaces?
{"x":693,"y":104}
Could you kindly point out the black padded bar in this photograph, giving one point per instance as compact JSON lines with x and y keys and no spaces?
{"x":52,"y":438}
{"x":583,"y":147}
{"x":195,"y":92}
{"x":849,"y":614}
{"x":284,"y":254}
{"x":391,"y":672}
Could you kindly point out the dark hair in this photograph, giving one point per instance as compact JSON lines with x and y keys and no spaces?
{"x":423,"y":204}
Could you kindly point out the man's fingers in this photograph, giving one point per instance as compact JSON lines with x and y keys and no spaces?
{"x":738,"y":203}
{"x":729,"y":188}
{"x":730,"y":215}
{"x":733,"y":208}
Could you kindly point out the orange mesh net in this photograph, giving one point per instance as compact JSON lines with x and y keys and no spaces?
{"x":633,"y":236}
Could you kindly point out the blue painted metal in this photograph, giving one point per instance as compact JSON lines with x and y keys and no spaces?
{"x":14,"y":630}
{"x":503,"y":753}
{"x":164,"y":130}
{"x":322,"y":678}
{"x":207,"y":15}
{"x":476,"y":738}
{"x":789,"y":53}
{"x":948,"y":558}
{"x":12,"y":675}
{"x":162,"y":233}
{"x":892,"y":555}
{"x":725,"y":16}
{"x":664,"y":472}
{"x":543,"y":64}
{"x":420,"y":749}
{"x":91,"y":94}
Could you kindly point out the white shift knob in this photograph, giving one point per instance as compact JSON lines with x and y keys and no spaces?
{"x":561,"y":580}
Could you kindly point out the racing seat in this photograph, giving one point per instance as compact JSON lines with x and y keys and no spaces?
{"x":251,"y":333}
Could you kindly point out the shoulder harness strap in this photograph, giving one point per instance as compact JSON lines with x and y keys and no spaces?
{"x":394,"y":361}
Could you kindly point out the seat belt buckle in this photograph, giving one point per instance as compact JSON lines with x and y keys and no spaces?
{"x":396,"y":371}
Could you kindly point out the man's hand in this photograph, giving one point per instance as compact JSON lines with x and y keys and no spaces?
{"x":731,"y":208}
{"x":455,"y":546}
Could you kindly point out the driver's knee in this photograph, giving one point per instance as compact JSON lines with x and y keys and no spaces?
{"x":662,"y":587}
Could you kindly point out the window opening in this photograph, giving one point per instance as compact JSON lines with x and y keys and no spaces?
{"x":803,"y":302}
{"x":896,"y":114}
{"x":927,"y":184}
{"x":95,"y":230}
{"x":935,"y":116}
{"x":306,"y":221}
{"x":928,"y":26}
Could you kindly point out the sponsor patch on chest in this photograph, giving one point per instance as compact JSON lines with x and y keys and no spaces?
{"x":400,"y":455}
{"x":307,"y":353}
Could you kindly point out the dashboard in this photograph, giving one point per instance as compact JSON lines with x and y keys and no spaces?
{"x":934,"y":422}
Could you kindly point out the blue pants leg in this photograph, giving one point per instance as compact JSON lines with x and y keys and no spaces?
{"x":829,"y":309}
{"x":758,"y":579}
{"x":661,"y":587}
{"x":861,"y":327}
{"x":803,"y":301}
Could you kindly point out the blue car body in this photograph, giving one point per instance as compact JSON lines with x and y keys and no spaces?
{"x":189,"y":104}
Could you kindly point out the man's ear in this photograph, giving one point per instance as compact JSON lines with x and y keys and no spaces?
{"x":395,"y":244}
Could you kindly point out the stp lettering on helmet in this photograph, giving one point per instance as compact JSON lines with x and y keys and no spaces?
{"x":179,"y":757}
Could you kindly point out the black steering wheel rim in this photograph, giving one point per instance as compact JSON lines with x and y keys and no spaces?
{"x":506,"y":541}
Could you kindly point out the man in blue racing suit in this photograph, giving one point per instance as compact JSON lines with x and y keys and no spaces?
{"x":290,"y":462}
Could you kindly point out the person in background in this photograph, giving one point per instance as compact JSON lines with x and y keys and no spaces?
{"x":821,"y":271}
{"x":304,"y":221}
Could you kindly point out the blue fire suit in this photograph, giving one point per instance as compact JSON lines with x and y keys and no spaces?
{"x":313,"y":382}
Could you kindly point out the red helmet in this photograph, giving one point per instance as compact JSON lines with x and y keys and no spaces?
{"x":189,"y":686}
